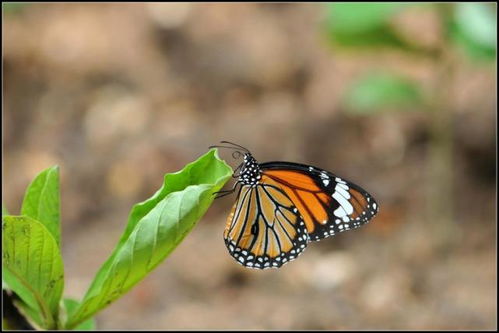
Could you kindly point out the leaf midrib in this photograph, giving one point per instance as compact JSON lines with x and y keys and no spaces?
{"x":43,"y":306}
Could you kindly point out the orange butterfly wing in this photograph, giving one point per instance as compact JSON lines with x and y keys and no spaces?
{"x":327,"y":203}
{"x":264,"y":228}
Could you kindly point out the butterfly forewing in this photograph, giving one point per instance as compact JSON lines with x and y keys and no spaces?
{"x":265,"y":229}
{"x":328,"y":203}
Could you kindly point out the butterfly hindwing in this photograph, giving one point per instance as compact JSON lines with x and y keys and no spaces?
{"x":264,"y":228}
{"x":328,"y":203}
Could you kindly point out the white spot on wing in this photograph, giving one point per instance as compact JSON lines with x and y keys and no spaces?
{"x":343,"y":186}
{"x":339,"y":180}
{"x":342,"y":191}
{"x":345,"y":206}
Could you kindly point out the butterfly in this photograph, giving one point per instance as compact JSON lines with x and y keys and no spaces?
{"x":282,"y":206}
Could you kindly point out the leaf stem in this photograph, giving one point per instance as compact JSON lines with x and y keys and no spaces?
{"x":440,"y":150}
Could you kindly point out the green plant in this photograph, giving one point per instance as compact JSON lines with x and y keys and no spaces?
{"x":32,"y":263}
{"x":13,"y":7}
{"x":469,"y":28}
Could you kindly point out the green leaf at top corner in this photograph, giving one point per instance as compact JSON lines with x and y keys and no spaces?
{"x":357,"y":17}
{"x":42,"y":201}
{"x":474,"y":28}
{"x":379,"y":91}
{"x":13,"y":7}
{"x":155,"y":227}
{"x":367,"y":26}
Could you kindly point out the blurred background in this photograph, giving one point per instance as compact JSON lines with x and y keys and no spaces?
{"x":399,"y":98}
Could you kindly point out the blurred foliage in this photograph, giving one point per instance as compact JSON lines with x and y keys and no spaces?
{"x":360,"y":17}
{"x":474,"y":28}
{"x":364,"y":25}
{"x":380,"y":91}
{"x":13,"y":7}
{"x":471,"y":25}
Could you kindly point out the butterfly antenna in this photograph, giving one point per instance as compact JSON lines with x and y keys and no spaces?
{"x":234,"y":144}
{"x":219,"y":146}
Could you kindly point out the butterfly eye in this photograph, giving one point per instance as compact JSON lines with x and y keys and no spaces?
{"x":236,"y":154}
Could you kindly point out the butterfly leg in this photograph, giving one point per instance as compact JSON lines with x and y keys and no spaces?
{"x":220,"y":194}
{"x":235,"y":174}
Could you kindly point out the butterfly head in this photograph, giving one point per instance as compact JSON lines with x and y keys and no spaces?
{"x":250,"y":171}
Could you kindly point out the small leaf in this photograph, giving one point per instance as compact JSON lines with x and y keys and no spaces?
{"x":32,"y":266}
{"x":41,"y":201}
{"x":473,"y":27}
{"x":155,"y":228}
{"x":70,"y":306}
{"x":364,"y":25}
{"x":360,"y":16}
{"x":376,"y":92}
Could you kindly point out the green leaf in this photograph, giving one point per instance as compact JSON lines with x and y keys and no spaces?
{"x":70,"y":305}
{"x":32,"y":267}
{"x":41,"y":201}
{"x":13,"y":7}
{"x":478,"y":21}
{"x":4,"y":213}
{"x":364,"y":25}
{"x":473,"y":27}
{"x":360,"y":17}
{"x":376,"y":92}
{"x":155,"y":228}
